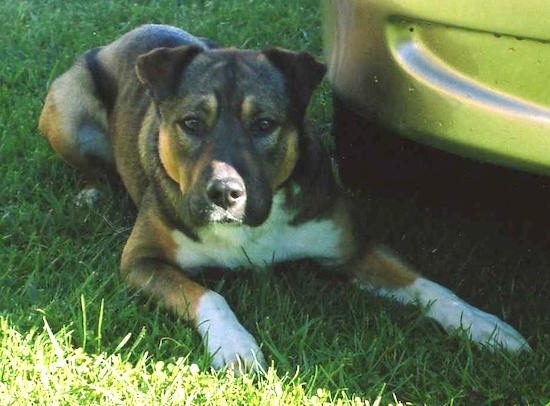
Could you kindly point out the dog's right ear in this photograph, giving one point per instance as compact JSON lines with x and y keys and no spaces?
{"x":160,"y":69}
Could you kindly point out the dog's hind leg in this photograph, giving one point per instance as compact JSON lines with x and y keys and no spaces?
{"x":386,"y":274}
{"x":74,"y":121}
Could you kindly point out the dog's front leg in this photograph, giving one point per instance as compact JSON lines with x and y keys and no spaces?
{"x":382,"y":270}
{"x":147,"y":269}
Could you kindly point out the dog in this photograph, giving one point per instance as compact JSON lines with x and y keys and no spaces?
{"x":210,"y":144}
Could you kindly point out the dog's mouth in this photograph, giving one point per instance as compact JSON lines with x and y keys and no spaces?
{"x":217,"y":215}
{"x":198,"y":212}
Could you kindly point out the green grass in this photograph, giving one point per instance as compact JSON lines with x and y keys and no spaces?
{"x":70,"y":332}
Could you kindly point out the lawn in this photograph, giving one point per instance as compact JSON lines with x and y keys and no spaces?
{"x":71,"y":333}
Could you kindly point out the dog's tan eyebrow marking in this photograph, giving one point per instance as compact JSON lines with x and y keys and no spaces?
{"x":209,"y":105}
{"x":206,"y":104}
{"x":247,"y":109}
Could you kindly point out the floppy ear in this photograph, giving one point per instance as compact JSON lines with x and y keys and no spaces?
{"x":159,"y":70}
{"x":302,"y":71}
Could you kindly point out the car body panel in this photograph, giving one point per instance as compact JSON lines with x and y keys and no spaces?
{"x":467,"y":77}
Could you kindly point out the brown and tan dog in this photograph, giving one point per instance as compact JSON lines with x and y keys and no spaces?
{"x":210,"y":145}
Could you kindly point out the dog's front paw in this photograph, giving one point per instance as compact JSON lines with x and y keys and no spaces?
{"x":232,"y":347}
{"x":452,"y":313}
{"x":487,"y":329}
{"x":228,"y":342}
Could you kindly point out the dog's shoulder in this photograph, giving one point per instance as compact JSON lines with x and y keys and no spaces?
{"x":315,"y":175}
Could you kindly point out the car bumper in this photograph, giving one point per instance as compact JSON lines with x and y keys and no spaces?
{"x":468,"y":77}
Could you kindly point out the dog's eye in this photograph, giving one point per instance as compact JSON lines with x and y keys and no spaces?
{"x":265,"y":126}
{"x":190,"y":125}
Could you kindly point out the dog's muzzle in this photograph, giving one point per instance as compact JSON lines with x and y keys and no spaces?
{"x":226,"y":194}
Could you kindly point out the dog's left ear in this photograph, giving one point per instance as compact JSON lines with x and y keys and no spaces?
{"x":160,"y":69}
{"x":302,"y":71}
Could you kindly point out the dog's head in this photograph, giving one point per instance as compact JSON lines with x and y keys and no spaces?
{"x":231,"y":124}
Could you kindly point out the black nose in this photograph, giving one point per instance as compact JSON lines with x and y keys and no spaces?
{"x":226,"y":193}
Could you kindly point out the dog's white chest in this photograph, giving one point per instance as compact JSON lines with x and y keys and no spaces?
{"x":232,"y":246}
